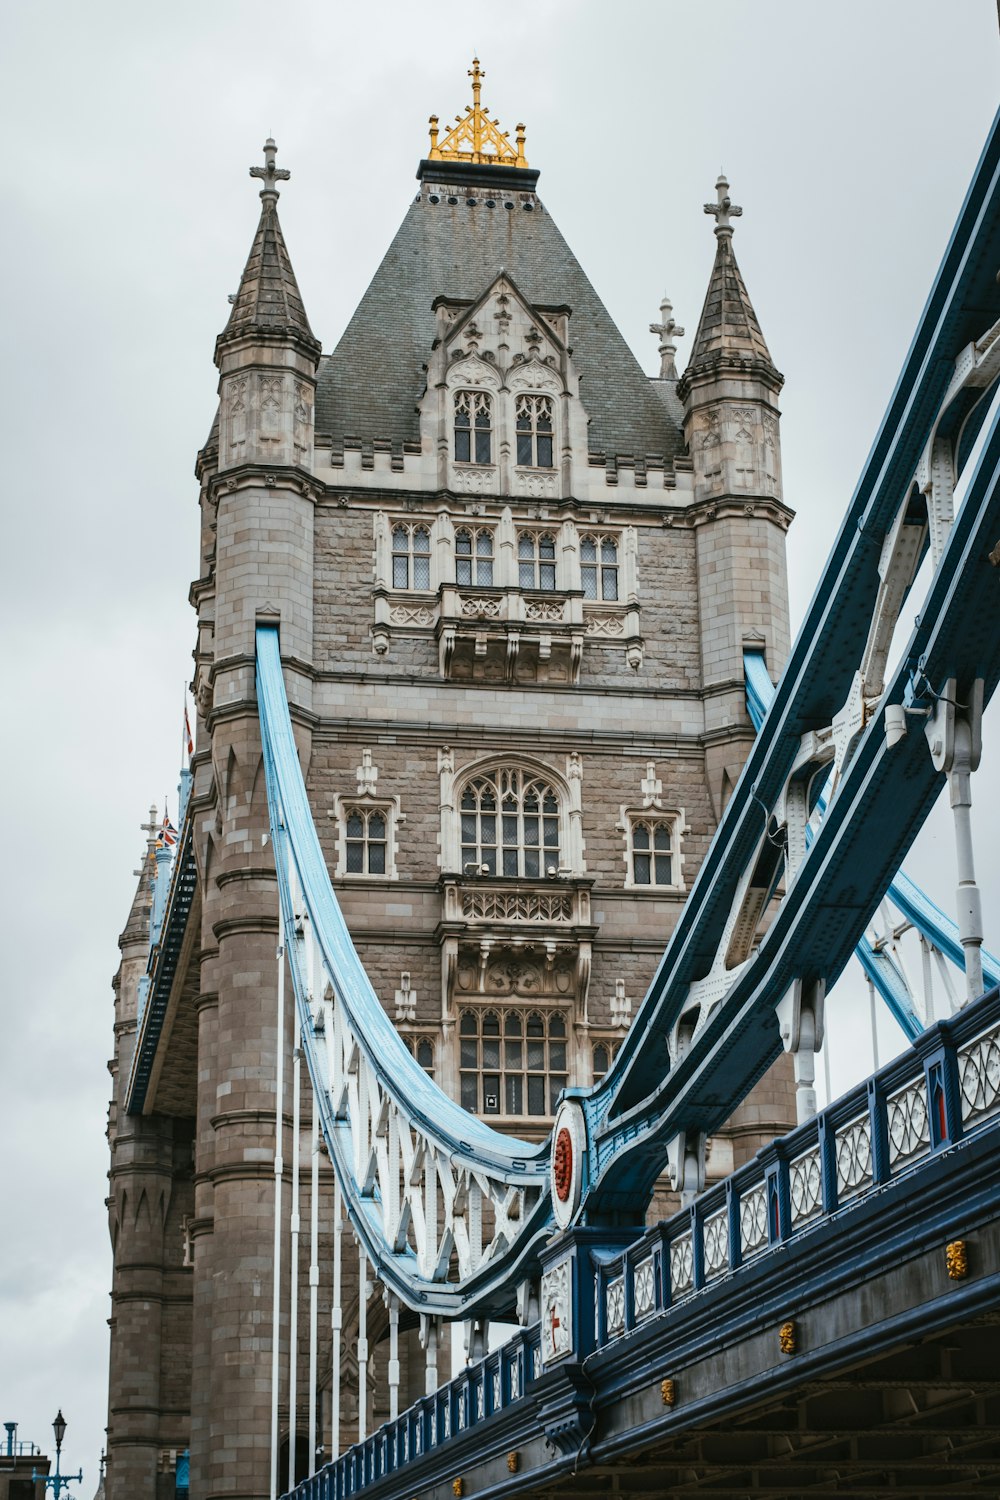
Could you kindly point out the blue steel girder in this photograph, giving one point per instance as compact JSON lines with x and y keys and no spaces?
{"x":880,"y":804}
{"x":963,"y":304}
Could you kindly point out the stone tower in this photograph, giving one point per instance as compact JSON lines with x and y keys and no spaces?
{"x":514,"y":578}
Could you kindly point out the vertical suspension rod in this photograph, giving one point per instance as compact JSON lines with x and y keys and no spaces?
{"x":279,"y":1117}
{"x":336,"y":1320}
{"x":293,"y":1324}
{"x":362,"y":1344}
{"x":313,"y":1280}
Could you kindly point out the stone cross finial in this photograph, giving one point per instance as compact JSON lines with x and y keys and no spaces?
{"x":724,"y":209}
{"x":269,"y":174}
{"x":668,"y":330}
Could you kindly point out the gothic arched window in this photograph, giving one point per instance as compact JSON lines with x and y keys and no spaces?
{"x":366,"y":841}
{"x":411,"y":557}
{"x":473,"y":556}
{"x":512,"y":1061}
{"x":652,"y":851}
{"x":536,"y":560}
{"x":473,"y":427}
{"x":599,"y":567}
{"x":533,"y":418}
{"x":510,"y":824}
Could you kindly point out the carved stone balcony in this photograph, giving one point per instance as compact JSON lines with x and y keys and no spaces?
{"x":531,"y":938}
{"x":509,"y":635}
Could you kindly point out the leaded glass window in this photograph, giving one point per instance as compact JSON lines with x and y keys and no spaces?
{"x":411,"y":557}
{"x":512,"y":1061}
{"x":366,"y":841}
{"x":536,"y":560}
{"x":473,"y":427}
{"x":473,"y":556}
{"x":533,"y":418}
{"x":599,"y":567}
{"x":652,"y":852}
{"x":510,"y":824}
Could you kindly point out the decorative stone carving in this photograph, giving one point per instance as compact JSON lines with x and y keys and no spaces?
{"x":536,"y":486}
{"x":606,"y":625}
{"x":402,"y":614}
{"x":473,"y":480}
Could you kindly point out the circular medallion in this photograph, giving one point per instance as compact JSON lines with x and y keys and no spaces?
{"x":569,"y":1154}
{"x":562,"y":1165}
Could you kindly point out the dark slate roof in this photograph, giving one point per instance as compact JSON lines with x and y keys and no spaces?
{"x":369,"y":387}
{"x":269,"y":299}
{"x":728,"y":323}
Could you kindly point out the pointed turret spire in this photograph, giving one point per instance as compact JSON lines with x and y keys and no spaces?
{"x":269,"y":300}
{"x":728,"y":328}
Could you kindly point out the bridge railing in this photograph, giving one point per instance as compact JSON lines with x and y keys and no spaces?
{"x":942,"y":1089}
{"x":479,"y":1392}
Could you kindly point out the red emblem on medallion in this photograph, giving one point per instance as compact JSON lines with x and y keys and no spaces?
{"x":562,"y":1167}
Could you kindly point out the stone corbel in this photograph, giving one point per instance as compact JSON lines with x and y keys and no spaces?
{"x":513,"y":645}
{"x":446,"y":649}
{"x":575,"y":655}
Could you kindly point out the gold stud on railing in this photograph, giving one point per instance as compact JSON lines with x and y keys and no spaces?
{"x":513,"y":1461}
{"x":957,"y":1258}
{"x":668,"y":1391}
{"x":788,"y":1337}
{"x":456,"y":1487}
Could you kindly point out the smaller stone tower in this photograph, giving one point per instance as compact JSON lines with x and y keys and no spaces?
{"x":730,"y":391}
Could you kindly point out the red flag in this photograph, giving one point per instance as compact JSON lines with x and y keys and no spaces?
{"x":187,"y":733}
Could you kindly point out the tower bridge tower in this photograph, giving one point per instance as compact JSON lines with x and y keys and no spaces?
{"x":513,"y":577}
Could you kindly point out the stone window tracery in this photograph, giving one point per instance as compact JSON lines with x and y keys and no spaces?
{"x":366,"y":841}
{"x":473,"y":556}
{"x":411,"y":557}
{"x":599,"y":566}
{"x":533,"y":421}
{"x":512,"y":1061}
{"x":603,"y":1056}
{"x":422,"y":1048}
{"x":510,"y":824}
{"x":651,"y":851}
{"x":536,"y":560}
{"x":473,"y":427}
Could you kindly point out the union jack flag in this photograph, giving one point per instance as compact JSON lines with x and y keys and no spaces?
{"x":167,"y":836}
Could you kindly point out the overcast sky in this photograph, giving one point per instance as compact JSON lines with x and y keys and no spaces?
{"x":849,"y":134}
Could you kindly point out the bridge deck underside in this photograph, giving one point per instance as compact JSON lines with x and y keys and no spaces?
{"x":922,"y":1420}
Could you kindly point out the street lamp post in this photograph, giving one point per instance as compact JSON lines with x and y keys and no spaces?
{"x":57,"y":1482}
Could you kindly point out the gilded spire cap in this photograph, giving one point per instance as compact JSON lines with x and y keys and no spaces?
{"x":269,"y":174}
{"x":723,"y":209}
{"x":475,"y":137}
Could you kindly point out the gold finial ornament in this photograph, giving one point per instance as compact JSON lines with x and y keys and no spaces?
{"x":668,"y":1391}
{"x":456,"y":1487}
{"x":475,"y":137}
{"x":788,"y":1338}
{"x":513,"y":1461}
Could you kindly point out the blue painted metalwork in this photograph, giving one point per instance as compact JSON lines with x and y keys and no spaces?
{"x":465,"y":1139}
{"x":157,"y":983}
{"x":917,"y":907}
{"x":873,"y":1215}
